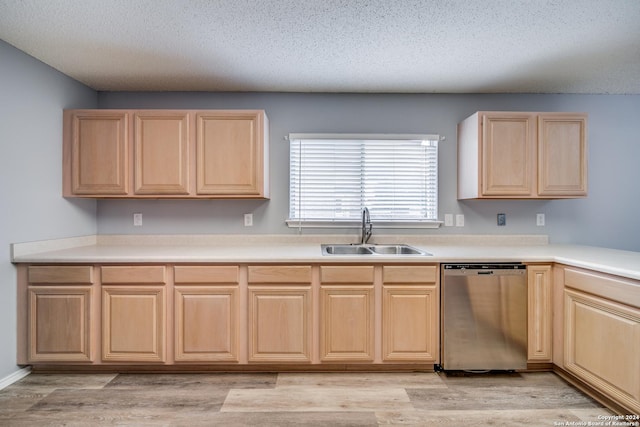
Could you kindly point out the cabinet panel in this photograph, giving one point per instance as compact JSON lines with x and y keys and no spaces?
{"x":60,"y":324}
{"x":206,"y":327}
{"x":347,"y":323}
{"x":602,"y":343}
{"x":346,"y":274}
{"x":97,"y":155}
{"x":161,"y":147}
{"x":562,"y":151}
{"x":409,"y":274}
{"x":133,"y":274}
{"x":540,"y":313}
{"x":280,"y":324}
{"x":410,"y":324}
{"x":133,"y":324}
{"x":279,"y":274}
{"x":230,"y":153}
{"x":508,"y":155}
{"x":607,"y":286}
{"x":207,"y":274}
{"x":81,"y":275}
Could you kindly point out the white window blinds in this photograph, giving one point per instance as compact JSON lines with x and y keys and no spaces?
{"x":332,"y":178}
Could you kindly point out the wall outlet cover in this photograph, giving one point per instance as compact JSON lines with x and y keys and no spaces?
{"x":448,"y":220}
{"x":502,"y":219}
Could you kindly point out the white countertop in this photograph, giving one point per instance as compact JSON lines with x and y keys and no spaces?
{"x":306,"y":249}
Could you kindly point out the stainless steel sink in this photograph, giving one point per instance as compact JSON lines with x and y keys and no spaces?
{"x":345,"y":250}
{"x":397,"y":250}
{"x":386,"y":250}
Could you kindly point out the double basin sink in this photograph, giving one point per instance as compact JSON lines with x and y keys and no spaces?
{"x":366,"y":249}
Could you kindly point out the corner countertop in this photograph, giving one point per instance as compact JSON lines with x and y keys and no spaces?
{"x":104,"y":249}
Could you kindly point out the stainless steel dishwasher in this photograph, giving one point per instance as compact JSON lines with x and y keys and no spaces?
{"x":484,"y":316}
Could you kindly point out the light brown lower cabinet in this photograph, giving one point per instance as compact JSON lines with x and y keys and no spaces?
{"x":133,"y":314}
{"x":602,"y":335}
{"x":230,"y":314}
{"x":410,"y":314}
{"x":280,"y":314}
{"x":347,"y":314}
{"x":206,"y":313}
{"x":60,"y":314}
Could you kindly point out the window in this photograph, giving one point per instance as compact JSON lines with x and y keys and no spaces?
{"x":333,"y":177}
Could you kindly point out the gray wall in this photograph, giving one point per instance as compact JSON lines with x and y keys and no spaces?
{"x":33,"y":97}
{"x":608,"y":217}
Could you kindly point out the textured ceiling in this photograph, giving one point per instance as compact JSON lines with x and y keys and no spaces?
{"x":424,"y":46}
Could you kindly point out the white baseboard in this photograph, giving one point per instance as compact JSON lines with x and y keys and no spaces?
{"x":16,"y":376}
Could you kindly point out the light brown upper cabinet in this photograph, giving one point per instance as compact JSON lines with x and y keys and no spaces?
{"x":161,"y":152}
{"x":96,"y":153}
{"x":522,"y":155}
{"x":165,"y":154}
{"x":230,"y":154}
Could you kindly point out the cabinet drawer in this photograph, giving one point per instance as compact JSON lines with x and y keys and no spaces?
{"x":138,"y":274}
{"x":616,"y":289}
{"x":346,"y":274}
{"x":409,"y":274}
{"x":280,"y":274}
{"x":64,"y":274}
{"x":206,"y":274}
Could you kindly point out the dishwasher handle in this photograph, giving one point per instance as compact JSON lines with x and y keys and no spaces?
{"x":486,"y":266}
{"x":496,"y":269}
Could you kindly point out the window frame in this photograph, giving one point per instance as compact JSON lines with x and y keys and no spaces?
{"x":349,"y":223}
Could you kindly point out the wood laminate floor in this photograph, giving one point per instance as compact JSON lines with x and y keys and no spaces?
{"x":295,"y":399}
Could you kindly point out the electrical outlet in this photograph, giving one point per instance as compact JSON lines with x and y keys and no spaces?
{"x":459,"y":220}
{"x":137,"y":219}
{"x":248,"y":220}
{"x":502,"y":219}
{"x":540,"y":220}
{"x":448,"y":220}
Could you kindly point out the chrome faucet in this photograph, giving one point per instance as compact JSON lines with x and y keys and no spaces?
{"x":367,"y":226}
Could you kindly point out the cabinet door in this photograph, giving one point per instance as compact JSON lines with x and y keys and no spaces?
{"x":410,"y":323}
{"x":540,"y":317}
{"x":280,"y":324}
{"x":602,"y":344}
{"x":508,"y":154}
{"x":133,"y":323}
{"x":60,"y":324}
{"x":161,"y":147}
{"x":347,"y":323}
{"x":230,"y":156}
{"x":206,"y":327}
{"x":96,"y":153}
{"x":562,"y":155}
